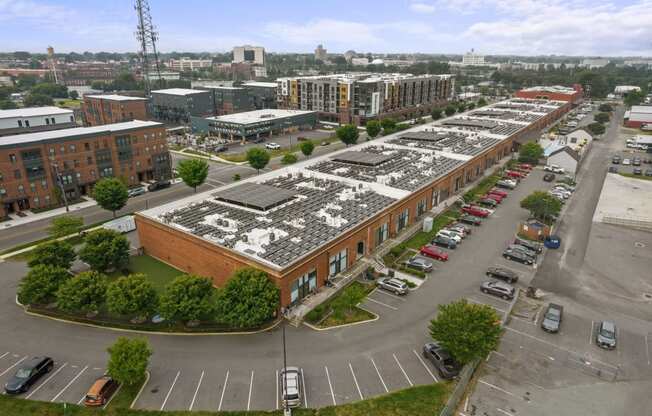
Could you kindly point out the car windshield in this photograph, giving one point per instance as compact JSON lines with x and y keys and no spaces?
{"x":607,"y":333}
{"x":23,"y":373}
{"x":553,"y":315}
{"x":91,"y":397}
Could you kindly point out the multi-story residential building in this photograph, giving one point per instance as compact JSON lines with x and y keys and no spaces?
{"x":593,"y":63}
{"x":177,"y":105}
{"x":84,"y":73}
{"x":229,"y":100}
{"x":473,"y":59}
{"x":112,"y":108}
{"x":38,"y":169}
{"x":357,"y":97}
{"x":249,"y":54}
{"x":187,"y":64}
{"x":263,"y":94}
{"x":320,"y":53}
{"x":33,"y":119}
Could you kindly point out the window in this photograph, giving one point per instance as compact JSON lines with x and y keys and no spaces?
{"x":435,"y":197}
{"x":52,"y":152}
{"x":17,"y":174}
{"x":47,"y":199}
{"x":66,"y":179}
{"x":3,"y":191}
{"x":87,"y":146}
{"x":32,"y":186}
{"x":52,"y":120}
{"x":26,"y":123}
{"x":62,"y":149}
{"x":89,"y":160}
{"x":421,"y":207}
{"x":138,"y":163}
{"x":20,"y":123}
{"x":78,"y":175}
{"x":73,"y":148}
{"x":47,"y":121}
{"x":337,"y":263}
{"x":93,"y":172}
{"x":76,"y":163}
{"x":106,"y":172}
{"x":66,"y":165}
{"x":12,"y":158}
{"x":21,"y":189}
{"x":72,"y":119}
{"x":36,"y":200}
{"x":303,"y":286}
{"x":382,"y":233}
{"x":403,"y":219}
{"x":44,"y":184}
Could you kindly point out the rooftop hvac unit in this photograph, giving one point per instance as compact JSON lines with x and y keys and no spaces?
{"x":245,"y":238}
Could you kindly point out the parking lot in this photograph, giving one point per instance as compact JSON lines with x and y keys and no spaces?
{"x":628,"y":156}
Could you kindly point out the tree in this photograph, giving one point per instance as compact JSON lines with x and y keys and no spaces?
{"x":132,"y":295}
{"x":436,"y":113}
{"x":530,"y":153}
{"x":601,"y":117}
{"x":193,"y":172}
{"x":55,"y":253}
{"x":450,"y":110}
{"x":36,"y":100}
{"x":605,"y":108}
{"x":541,"y":205}
{"x":63,"y":226}
{"x":596,"y":128}
{"x":111,"y":194}
{"x":258,"y":158}
{"x":6,"y":104}
{"x":469,"y":331}
{"x":461,"y":107}
{"x":41,"y":284}
{"x":348,"y":134}
{"x":388,"y":124}
{"x":73,"y":94}
{"x":347,"y":300}
{"x":105,"y":250}
{"x":82,"y":293}
{"x":307,"y":148}
{"x":289,"y":158}
{"x":373,"y":128}
{"x":249,"y":299}
{"x":50,"y":89}
{"x":187,"y":298}
{"x":470,"y":105}
{"x":482,"y":102}
{"x":128,"y":360}
{"x":634,"y":98}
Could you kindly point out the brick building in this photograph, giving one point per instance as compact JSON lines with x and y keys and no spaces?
{"x":307,"y":223}
{"x":112,"y":108}
{"x":638,"y":116}
{"x":573,"y":95}
{"x":29,"y":163}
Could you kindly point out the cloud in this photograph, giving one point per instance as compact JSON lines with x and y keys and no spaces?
{"x":422,"y":8}
{"x":32,"y":10}
{"x":321,"y":31}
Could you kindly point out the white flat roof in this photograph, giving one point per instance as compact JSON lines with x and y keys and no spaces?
{"x":115,"y":97}
{"x":645,"y":109}
{"x":261,"y":84}
{"x":74,"y":131}
{"x":256,"y":116}
{"x":179,"y":91}
{"x":33,"y":112}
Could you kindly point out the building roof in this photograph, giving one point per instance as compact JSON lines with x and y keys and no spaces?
{"x":260,"y":84}
{"x":115,"y":97}
{"x":645,"y":109}
{"x":33,"y":112}
{"x":556,"y":148}
{"x":256,"y":116}
{"x":178,"y":91}
{"x":559,"y":89}
{"x":45,"y":136}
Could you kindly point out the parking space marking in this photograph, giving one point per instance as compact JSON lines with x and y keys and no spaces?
{"x":226,"y":380}
{"x":277,"y":383}
{"x":69,"y":384}
{"x":305,"y":390}
{"x":494,"y":298}
{"x":4,"y":355}
{"x":167,"y":396}
{"x":194,"y":396}
{"x":46,"y":380}
{"x":493,"y":386}
{"x":381,"y":303}
{"x":483,"y":303}
{"x":251,"y":386}
{"x":357,"y":386}
{"x":379,"y":376}
{"x":591,"y":334}
{"x":505,"y":412}
{"x":647,"y":350}
{"x":425,"y":366}
{"x":330,"y":385}
{"x":402,"y":370}
{"x":383,"y":292}
{"x":111,"y":398}
{"x":13,"y":365}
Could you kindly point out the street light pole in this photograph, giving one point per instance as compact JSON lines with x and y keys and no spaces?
{"x":286,"y":410}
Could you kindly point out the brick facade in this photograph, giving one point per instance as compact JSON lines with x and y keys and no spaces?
{"x":98,"y":110}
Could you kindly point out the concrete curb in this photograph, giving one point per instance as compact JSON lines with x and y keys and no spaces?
{"x":508,"y":312}
{"x":214,"y":158}
{"x":133,"y":403}
{"x":376,"y":317}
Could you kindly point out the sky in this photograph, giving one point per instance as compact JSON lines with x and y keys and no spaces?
{"x":492,"y":27}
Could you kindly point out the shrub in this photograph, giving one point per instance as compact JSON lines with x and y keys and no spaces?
{"x":187,"y":298}
{"x":54,"y":253}
{"x":41,"y":284}
{"x":248,"y":299}
{"x":82,"y":293}
{"x":105,"y":250}
{"x":131,"y":295}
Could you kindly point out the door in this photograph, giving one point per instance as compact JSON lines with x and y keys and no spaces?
{"x":360,"y":251}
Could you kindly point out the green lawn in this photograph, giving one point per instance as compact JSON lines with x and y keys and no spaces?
{"x":158,"y":272}
{"x":631,"y":175}
{"x":333,"y":312}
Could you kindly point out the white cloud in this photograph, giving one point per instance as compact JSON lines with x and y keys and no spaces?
{"x":422,"y":7}
{"x":32,"y":10}
{"x":323,"y":30}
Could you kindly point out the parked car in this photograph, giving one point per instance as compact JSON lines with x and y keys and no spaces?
{"x":447,"y":367}
{"x":525,"y":166}
{"x":499,"y":192}
{"x":450,"y":234}
{"x":552,"y":318}
{"x":502,"y":273}
{"x":458,"y":232}
{"x":636,"y":161}
{"x":101,"y":391}
{"x":606,"y":335}
{"x":136,"y":191}
{"x":532,"y":245}
{"x":518,"y":256}
{"x":488,"y":202}
{"x":615,"y":160}
{"x":434,"y":252}
{"x":272,"y":146}
{"x":514,"y":174}
{"x":291,"y":386}
{"x":566,"y":186}
{"x":562,"y":190}
{"x":506,"y":183}
{"x":549,"y":177}
{"x":613,"y":169}
{"x":552,"y":241}
{"x":419,"y":263}
{"x":523,"y":249}
{"x":392,"y":284}
{"x":470,"y":219}
{"x":648,"y":172}
{"x":637,"y":171}
{"x":154,"y":185}
{"x":28,"y":373}
{"x":443,"y":241}
{"x":497,"y":288}
{"x":495,"y":197}
{"x":456,"y":226}
{"x":627,"y":161}
{"x":474,"y":210}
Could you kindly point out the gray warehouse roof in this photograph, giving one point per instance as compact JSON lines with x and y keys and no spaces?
{"x":33,"y":112}
{"x":179,"y":91}
{"x":254,"y":195}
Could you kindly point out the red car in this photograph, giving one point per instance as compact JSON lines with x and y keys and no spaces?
{"x":477,"y":211}
{"x":514,"y":174}
{"x":495,"y":197}
{"x":434,"y":252}
{"x":499,"y":192}
{"x":525,"y":166}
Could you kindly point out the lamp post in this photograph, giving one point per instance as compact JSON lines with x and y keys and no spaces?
{"x":286,"y":410}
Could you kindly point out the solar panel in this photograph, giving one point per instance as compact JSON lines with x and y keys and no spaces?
{"x":257,"y":196}
{"x":361,"y":158}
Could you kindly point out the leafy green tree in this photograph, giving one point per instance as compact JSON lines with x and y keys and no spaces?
{"x":187,"y":298}
{"x":132,"y":295}
{"x":193,"y":172}
{"x":541,"y":205}
{"x":289,"y":158}
{"x":36,"y":100}
{"x":482,"y":102}
{"x":450,"y":110}
{"x":50,"y":89}
{"x":470,"y":105}
{"x":249,"y":299}
{"x":128,"y":360}
{"x":307,"y":148}
{"x":6,"y":104}
{"x":373,"y":128}
{"x":41,"y":284}
{"x":605,"y":108}
{"x":601,"y":117}
{"x":388,"y":124}
{"x":436,"y":113}
{"x":596,"y":128}
{"x":105,"y":250}
{"x":111,"y":194}
{"x":530,"y":153}
{"x":258,"y":158}
{"x":347,"y":300}
{"x":469,"y":331}
{"x":348,"y":134}
{"x":55,"y":253}
{"x":83,"y":293}
{"x":65,"y":225}
{"x":461,"y":107}
{"x":73,"y":94}
{"x":634,"y":98}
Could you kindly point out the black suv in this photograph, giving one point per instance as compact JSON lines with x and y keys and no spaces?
{"x":445,"y":364}
{"x":518,"y":256}
{"x":503,"y":273}
{"x":156,"y":185}
{"x":530,"y":245}
{"x":28,"y":374}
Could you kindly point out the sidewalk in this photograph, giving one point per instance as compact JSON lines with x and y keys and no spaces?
{"x":31,"y":217}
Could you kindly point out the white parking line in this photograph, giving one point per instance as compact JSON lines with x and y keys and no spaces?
{"x":330,"y":386}
{"x":13,"y":365}
{"x":483,"y":303}
{"x":226,"y":380}
{"x":194,"y":396}
{"x":110,"y":398}
{"x":505,"y":412}
{"x":251,"y":386}
{"x":647,"y":350}
{"x":69,"y":384}
{"x":381,"y":303}
{"x":46,"y":380}
{"x":383,"y":292}
{"x":402,"y":370}
{"x":425,"y":366}
{"x":277,"y":383}
{"x":591,"y":334}
{"x":4,"y":355}
{"x":493,"y":386}
{"x":357,"y":386}
{"x":379,"y":376}
{"x":497,"y":299}
{"x":305,"y":390}
{"x":167,"y":396}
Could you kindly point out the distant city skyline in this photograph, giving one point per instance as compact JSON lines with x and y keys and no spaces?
{"x":491,"y":27}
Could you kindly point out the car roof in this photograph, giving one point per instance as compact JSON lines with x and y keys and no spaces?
{"x":98,"y":385}
{"x":608,"y":325}
{"x":33,"y":362}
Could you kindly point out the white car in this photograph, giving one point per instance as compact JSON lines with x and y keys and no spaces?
{"x":554,"y":169}
{"x":291,"y":386}
{"x":562,"y":191}
{"x":627,"y":162}
{"x":450,"y":234}
{"x":558,"y":195}
{"x":272,"y":146}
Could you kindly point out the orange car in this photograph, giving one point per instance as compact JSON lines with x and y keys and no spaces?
{"x":101,"y":391}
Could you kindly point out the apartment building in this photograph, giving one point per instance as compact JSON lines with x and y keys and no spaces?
{"x":177,"y":105}
{"x":187,"y":64}
{"x":33,"y":119}
{"x":249,"y":54}
{"x":38,"y":169}
{"x":112,"y":108}
{"x":358,"y":97}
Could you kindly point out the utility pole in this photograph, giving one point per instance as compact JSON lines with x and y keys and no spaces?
{"x":147,"y":36}
{"x":58,"y":179}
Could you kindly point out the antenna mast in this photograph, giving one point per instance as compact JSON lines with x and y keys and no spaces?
{"x":147,"y":37}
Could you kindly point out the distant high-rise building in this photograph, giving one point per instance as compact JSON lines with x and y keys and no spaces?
{"x":595,"y":63}
{"x":249,"y":54}
{"x":473,"y":59}
{"x":320,"y":53}
{"x":187,"y":64}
